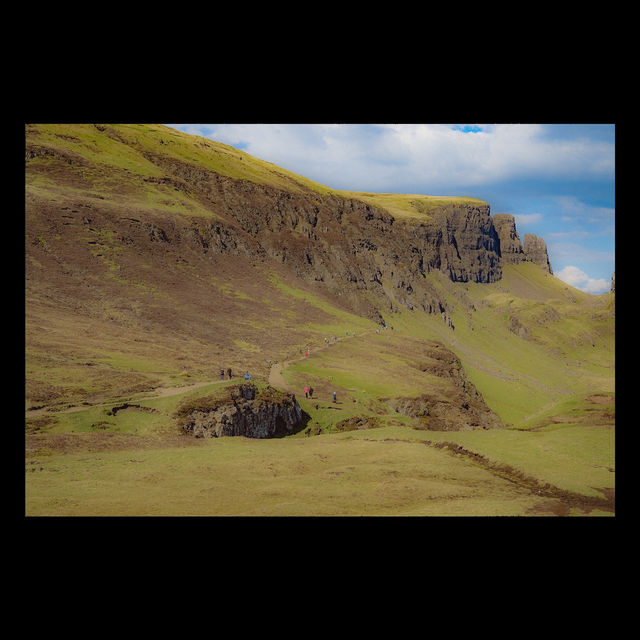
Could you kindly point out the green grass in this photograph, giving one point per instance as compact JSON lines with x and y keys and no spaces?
{"x":329,"y":475}
{"x":411,"y":207}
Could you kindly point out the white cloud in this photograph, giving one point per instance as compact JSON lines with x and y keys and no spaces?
{"x":580,"y":280}
{"x":574,"y":209}
{"x":438,"y":156}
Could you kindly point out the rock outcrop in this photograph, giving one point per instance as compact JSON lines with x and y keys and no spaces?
{"x":242,"y":410}
{"x":510,"y":245}
{"x":535,"y":250}
{"x":511,"y":249}
{"x":456,"y":407}
{"x":350,"y":248}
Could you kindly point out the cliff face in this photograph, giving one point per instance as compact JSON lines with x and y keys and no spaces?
{"x":511,"y":249}
{"x":510,"y":245}
{"x":352,"y":249}
{"x":535,"y":250}
{"x":349,"y":249}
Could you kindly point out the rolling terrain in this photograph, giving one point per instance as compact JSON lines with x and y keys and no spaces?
{"x":154,"y":258}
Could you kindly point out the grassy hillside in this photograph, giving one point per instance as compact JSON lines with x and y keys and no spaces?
{"x":111,"y":319}
{"x":410,"y":207}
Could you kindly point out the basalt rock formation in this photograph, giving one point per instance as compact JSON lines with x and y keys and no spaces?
{"x":360,"y":254}
{"x":510,"y":245}
{"x":351,"y":249}
{"x":511,"y":249}
{"x":535,"y":250}
{"x":243,"y":410}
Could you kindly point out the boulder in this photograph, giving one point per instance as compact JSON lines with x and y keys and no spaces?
{"x":242,"y":410}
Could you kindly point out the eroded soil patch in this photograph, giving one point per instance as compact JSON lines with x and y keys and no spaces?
{"x":569,"y":499}
{"x":92,"y":442}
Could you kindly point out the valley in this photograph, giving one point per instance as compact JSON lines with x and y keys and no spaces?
{"x":154,"y":259}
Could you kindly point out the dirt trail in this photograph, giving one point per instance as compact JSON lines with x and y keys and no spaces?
{"x":276,"y":379}
{"x":163,"y":392}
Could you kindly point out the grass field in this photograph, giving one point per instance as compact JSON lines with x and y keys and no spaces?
{"x":560,"y":442}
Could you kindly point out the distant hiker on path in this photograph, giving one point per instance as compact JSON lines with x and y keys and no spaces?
{"x":247,"y":376}
{"x":334,"y":396}
{"x":311,"y":392}
{"x":221,"y":374}
{"x":306,"y":392}
{"x":229,"y":374}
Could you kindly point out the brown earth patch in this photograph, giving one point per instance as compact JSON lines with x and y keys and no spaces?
{"x":92,"y":442}
{"x":358,"y":422}
{"x":569,"y":499}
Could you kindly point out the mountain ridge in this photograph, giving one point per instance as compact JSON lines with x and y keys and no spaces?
{"x":145,"y":229}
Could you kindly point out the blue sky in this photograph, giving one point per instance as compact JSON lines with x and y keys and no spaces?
{"x":558,"y":180}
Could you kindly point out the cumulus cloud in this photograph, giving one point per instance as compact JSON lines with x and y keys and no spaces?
{"x":437,"y":156}
{"x":580,"y":280}
{"x":573,"y":209}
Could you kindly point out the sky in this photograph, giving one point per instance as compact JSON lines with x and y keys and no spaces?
{"x":558,"y":180}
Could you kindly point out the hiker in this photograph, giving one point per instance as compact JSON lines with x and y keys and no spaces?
{"x":335,"y":395}
{"x":247,"y":376}
{"x":311,"y":392}
{"x":221,"y":374}
{"x":229,"y":374}
{"x":306,"y":392}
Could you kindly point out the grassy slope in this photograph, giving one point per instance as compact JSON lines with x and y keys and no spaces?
{"x":540,"y":383}
{"x":379,"y":471}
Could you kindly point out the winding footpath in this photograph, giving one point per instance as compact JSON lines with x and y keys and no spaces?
{"x":276,"y":379}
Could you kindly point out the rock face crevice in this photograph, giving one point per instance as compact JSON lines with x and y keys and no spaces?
{"x":242,"y":410}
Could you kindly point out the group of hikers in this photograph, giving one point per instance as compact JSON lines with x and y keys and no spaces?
{"x":308,"y":391}
{"x":247,"y":375}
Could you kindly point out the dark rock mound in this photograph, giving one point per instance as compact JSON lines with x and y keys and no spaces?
{"x":242,"y":410}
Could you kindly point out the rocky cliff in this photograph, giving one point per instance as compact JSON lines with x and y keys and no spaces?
{"x":352,"y":249}
{"x":535,"y":250}
{"x":511,"y":249}
{"x":242,"y":410}
{"x":356,"y":252}
{"x":510,"y":245}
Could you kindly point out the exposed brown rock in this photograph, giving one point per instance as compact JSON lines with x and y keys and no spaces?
{"x":510,"y":245}
{"x":535,"y":250}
